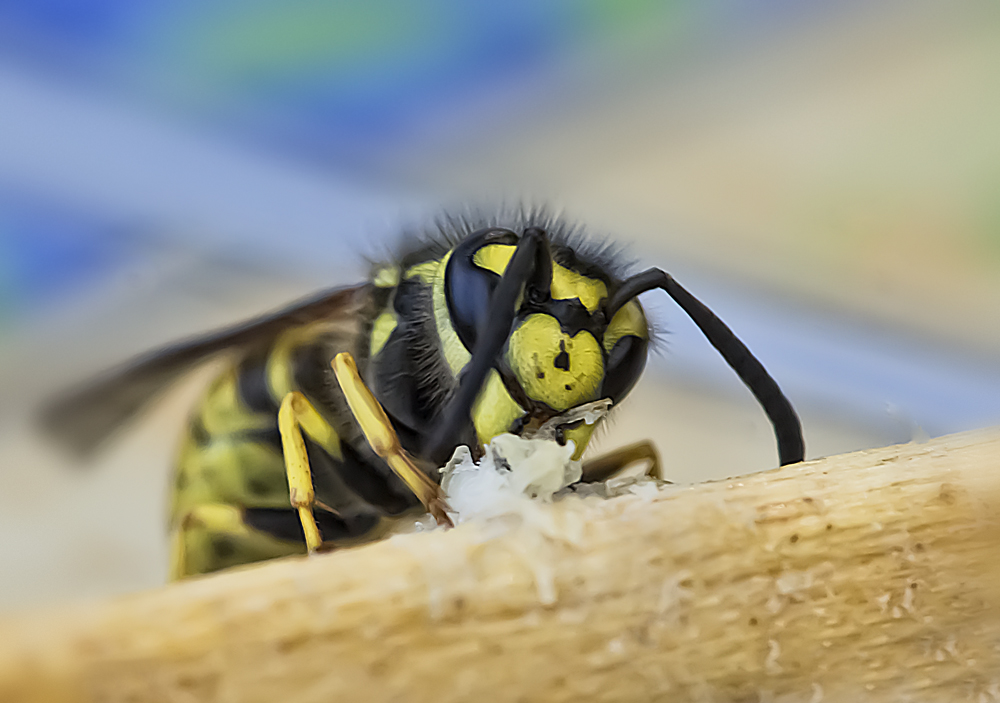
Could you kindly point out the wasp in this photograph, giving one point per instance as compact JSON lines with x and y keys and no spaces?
{"x":328,"y":424}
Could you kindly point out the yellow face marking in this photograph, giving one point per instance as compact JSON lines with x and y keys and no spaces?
{"x":381,"y":329}
{"x":629,"y":319}
{"x":494,"y":257}
{"x":566,"y":283}
{"x":553,"y":367}
{"x":386,"y":277}
{"x":494,"y":410}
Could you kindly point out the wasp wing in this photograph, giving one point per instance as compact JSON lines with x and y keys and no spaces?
{"x":87,"y":416}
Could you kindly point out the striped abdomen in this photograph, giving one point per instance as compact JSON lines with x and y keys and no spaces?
{"x":230,"y":502}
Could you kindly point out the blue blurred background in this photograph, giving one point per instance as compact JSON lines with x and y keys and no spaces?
{"x":826,"y":176}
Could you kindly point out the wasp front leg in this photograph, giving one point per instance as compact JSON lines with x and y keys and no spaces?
{"x":604,"y":467}
{"x":297,"y":412}
{"x":382,"y":437}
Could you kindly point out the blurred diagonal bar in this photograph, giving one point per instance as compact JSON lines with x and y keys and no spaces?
{"x":130,"y":167}
{"x":867,"y":576}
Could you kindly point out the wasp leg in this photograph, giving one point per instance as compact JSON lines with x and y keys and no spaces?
{"x":382,"y":437}
{"x":604,"y":467}
{"x":295,"y":412}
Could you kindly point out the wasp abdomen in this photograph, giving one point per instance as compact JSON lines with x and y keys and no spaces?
{"x":230,"y":497}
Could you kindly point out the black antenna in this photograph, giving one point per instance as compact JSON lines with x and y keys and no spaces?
{"x":490,"y":340}
{"x":787,"y":428}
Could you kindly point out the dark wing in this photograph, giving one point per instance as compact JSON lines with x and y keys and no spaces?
{"x":87,"y":416}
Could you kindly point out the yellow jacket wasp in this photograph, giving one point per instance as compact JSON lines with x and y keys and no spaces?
{"x":482,"y":326}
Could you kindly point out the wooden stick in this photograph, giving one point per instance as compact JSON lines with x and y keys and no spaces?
{"x":870,"y":576}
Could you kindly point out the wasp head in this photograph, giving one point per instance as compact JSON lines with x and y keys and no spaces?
{"x":562,"y":347}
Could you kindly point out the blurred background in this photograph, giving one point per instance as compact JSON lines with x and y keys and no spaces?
{"x":826,"y":176}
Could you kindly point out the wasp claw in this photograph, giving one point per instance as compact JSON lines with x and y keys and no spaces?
{"x":440,"y":510}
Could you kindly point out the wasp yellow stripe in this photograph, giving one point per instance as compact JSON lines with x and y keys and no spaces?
{"x":495,"y":410}
{"x":381,"y":329}
{"x":566,"y":283}
{"x":629,"y":320}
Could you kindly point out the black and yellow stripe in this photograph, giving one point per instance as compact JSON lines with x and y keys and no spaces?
{"x":230,"y":502}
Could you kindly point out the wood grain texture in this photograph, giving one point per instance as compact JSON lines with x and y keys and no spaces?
{"x":870,"y":576}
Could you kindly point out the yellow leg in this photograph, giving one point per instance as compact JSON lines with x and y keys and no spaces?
{"x":296,"y":410}
{"x":604,"y":467}
{"x":383,"y":440}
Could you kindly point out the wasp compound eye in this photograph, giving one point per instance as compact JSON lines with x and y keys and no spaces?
{"x":625,"y":342}
{"x":469,"y":287}
{"x":625,"y":363}
{"x":467,"y":290}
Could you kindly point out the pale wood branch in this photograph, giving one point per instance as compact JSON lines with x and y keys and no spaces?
{"x":868,"y":576}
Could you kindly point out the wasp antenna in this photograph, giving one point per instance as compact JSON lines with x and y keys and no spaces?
{"x":787,"y":428}
{"x":490,"y":340}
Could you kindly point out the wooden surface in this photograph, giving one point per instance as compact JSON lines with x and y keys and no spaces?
{"x":868,"y":576}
